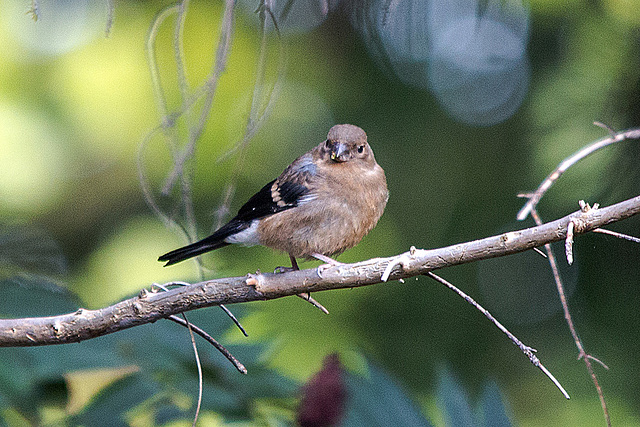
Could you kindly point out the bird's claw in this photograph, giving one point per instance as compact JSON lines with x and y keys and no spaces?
{"x":281,"y":269}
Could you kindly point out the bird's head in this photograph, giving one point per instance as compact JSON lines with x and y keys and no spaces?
{"x":345,"y":143}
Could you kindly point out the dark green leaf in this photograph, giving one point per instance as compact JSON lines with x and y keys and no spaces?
{"x":453,"y":400}
{"x":492,"y":407}
{"x":379,"y":401}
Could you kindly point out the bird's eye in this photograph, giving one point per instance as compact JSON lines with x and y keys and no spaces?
{"x":361,"y":149}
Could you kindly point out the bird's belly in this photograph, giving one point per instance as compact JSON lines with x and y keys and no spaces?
{"x":316,"y":230}
{"x":246,"y":237}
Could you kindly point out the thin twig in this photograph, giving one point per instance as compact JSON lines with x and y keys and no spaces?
{"x":219,"y":65}
{"x":528,"y":351}
{"x":234,"y":319}
{"x":530,"y":208}
{"x":222,"y":53}
{"x":239,"y":366}
{"x":208,"y":89}
{"x":248,"y":133}
{"x":256,"y":117}
{"x":178,"y":51}
{"x":200,"y":332}
{"x":307,"y":297}
{"x":304,"y":295}
{"x":222,"y":306}
{"x":199,"y":366}
{"x":146,"y":187}
{"x":534,"y":198}
{"x":167,"y":125}
{"x":111,"y":11}
{"x":159,"y":95}
{"x":612,"y":131}
{"x":616,"y":234}
{"x":538,"y":251}
{"x":34,"y":10}
{"x":567,"y":315}
{"x":180,"y":157}
{"x":595,"y":359}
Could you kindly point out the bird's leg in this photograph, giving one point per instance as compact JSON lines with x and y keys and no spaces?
{"x":305,"y":295}
{"x":294,"y":263}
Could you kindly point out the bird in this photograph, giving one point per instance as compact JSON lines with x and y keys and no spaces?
{"x":322,"y":204}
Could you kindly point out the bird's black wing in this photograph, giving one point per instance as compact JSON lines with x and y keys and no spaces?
{"x":274,"y":197}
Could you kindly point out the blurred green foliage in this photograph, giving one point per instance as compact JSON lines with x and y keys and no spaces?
{"x":71,"y":124}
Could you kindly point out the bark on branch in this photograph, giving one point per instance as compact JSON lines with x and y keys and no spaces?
{"x":148,"y":306}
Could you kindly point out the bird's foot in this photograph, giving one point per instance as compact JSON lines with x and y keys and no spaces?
{"x":294,"y":266}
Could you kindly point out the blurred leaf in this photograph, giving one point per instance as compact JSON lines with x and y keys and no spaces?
{"x":28,"y":250}
{"x":30,"y":296}
{"x":23,"y":389}
{"x":226,"y":391}
{"x":16,"y":376}
{"x":115,"y":401}
{"x":161,"y":351}
{"x":26,"y":298}
{"x":454,"y":400}
{"x":302,"y":336}
{"x":492,"y":409}
{"x":377,"y":400}
{"x":82,"y":385}
{"x":164,"y":355}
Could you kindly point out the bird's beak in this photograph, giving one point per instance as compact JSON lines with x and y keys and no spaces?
{"x":339,"y":152}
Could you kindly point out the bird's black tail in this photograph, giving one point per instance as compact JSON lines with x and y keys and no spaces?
{"x":194,"y":249}
{"x":213,"y":242}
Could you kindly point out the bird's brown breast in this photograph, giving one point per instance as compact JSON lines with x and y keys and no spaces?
{"x":348,"y":203}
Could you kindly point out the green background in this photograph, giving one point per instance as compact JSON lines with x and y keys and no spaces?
{"x":71,"y":125}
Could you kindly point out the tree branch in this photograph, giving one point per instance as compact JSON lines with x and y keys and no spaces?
{"x":149,"y":307}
